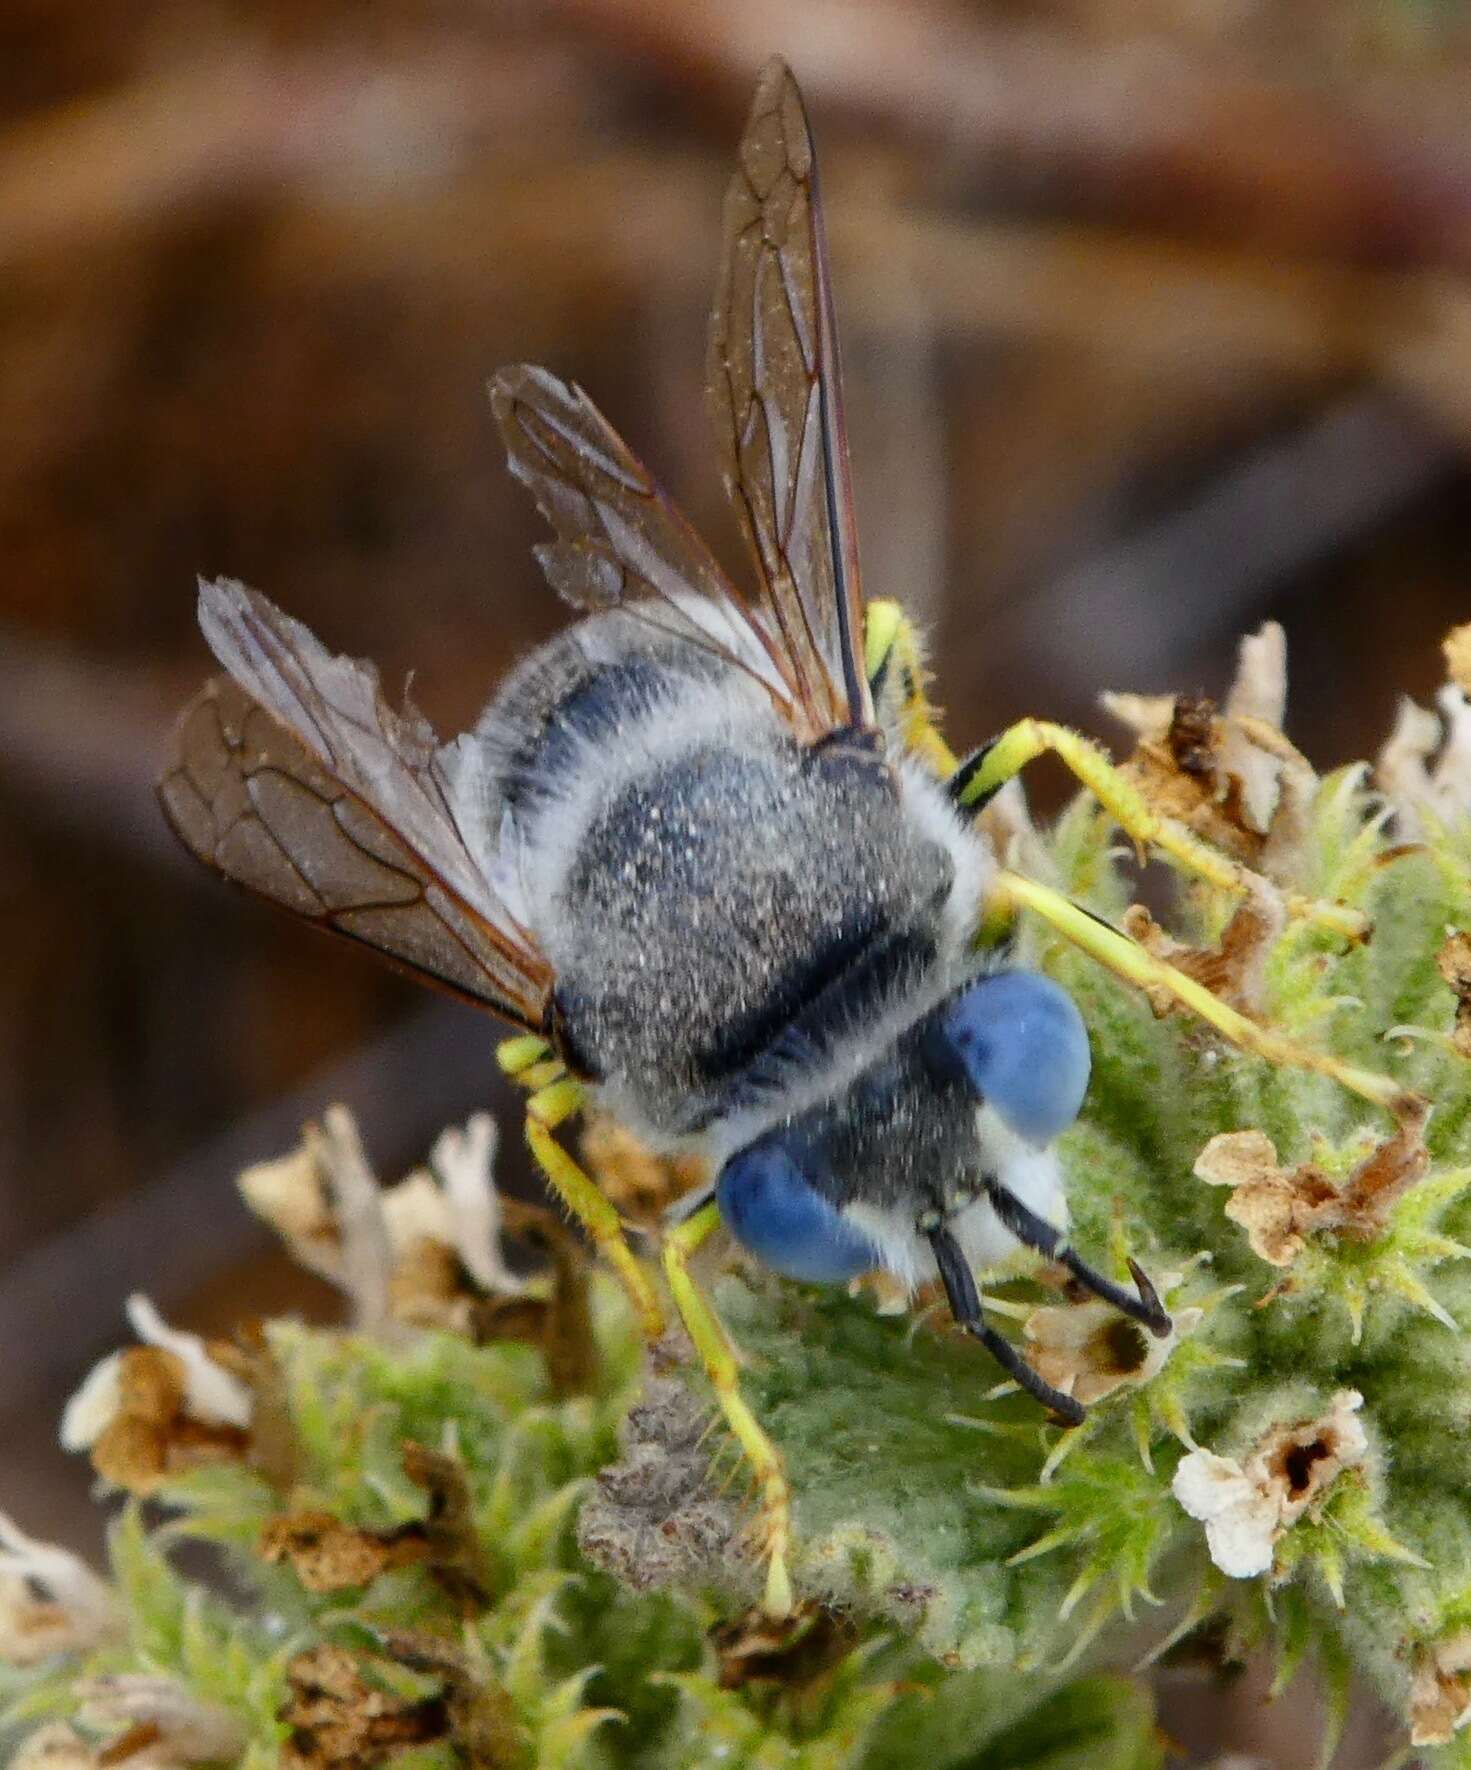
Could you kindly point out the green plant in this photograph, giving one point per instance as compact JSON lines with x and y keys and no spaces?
{"x":474,"y":1530}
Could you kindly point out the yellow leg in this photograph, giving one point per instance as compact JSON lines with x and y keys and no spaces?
{"x":712,"y":1343}
{"x":547,"y":1108}
{"x":1129,"y":961}
{"x":892,"y":657}
{"x":517,"y":1055}
{"x":1029,"y":738}
{"x":530,"y":1061}
{"x":892,"y":661}
{"x":891,"y":654}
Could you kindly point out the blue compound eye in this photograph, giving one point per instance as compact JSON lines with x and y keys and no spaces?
{"x":1021,"y":1043}
{"x":775,"y":1214}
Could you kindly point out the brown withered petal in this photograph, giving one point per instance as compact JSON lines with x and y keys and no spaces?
{"x":1280,"y":1207}
{"x":1457,"y":649}
{"x":428,"y":1289}
{"x":1191,"y":795}
{"x":1235,"y":970}
{"x":1453,"y":961}
{"x":482,"y":1718}
{"x":565,"y":1332}
{"x":327,"y":1555}
{"x":337,"y":1720}
{"x":192,"y":1445}
{"x":453,"y":1548}
{"x":1191,"y":735}
{"x":792,"y":1653}
{"x":1440,"y":1689}
{"x":131,"y":1455}
{"x":639,"y":1183}
{"x":1274,"y":1206}
{"x":54,"y":1747}
{"x":1229,"y":774}
{"x":151,"y":1385}
{"x":152,"y":1435}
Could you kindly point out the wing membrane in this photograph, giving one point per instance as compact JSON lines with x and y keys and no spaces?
{"x":293,"y":777}
{"x":776,"y":397}
{"x":620,"y":541}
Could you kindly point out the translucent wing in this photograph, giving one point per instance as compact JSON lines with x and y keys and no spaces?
{"x":293,"y":777}
{"x":620,"y":541}
{"x":776,"y":396}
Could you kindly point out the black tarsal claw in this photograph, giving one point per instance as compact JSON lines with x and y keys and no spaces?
{"x":1157,"y":1317}
{"x":1065,"y":1411}
{"x":965,"y":1306}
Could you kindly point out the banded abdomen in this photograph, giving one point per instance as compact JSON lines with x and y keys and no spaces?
{"x":722,"y":906}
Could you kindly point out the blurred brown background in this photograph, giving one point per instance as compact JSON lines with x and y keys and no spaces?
{"x":1156,"y":321}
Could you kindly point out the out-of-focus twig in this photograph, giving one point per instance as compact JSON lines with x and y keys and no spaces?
{"x":1259,"y":524}
{"x":249,"y":120}
{"x":82,"y":742}
{"x":319,"y":122}
{"x":1138,"y":128}
{"x":639,"y":221}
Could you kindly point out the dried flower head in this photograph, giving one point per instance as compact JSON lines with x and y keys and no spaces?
{"x":1279,"y":1208}
{"x":337,"y":1720}
{"x":1234,"y":969}
{"x":1247,"y":1504}
{"x":422,"y":1253}
{"x":1088,"y":1350}
{"x":480,"y":1711}
{"x":1230,"y":775}
{"x":55,"y":1746}
{"x":639,"y":1183}
{"x":791,"y":1655}
{"x":330,"y":1555}
{"x":158,"y":1723}
{"x":153,"y":1410}
{"x":1424,"y":766}
{"x":50,"y":1600}
{"x":1453,"y":962}
{"x":1440,"y":1689}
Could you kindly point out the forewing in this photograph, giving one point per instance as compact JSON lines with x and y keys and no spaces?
{"x":776,"y":397}
{"x":620,"y":542}
{"x":292,"y":777}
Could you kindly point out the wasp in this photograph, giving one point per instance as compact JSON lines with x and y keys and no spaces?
{"x":708,"y":849}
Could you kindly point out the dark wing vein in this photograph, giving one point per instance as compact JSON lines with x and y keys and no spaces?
{"x":620,"y":542}
{"x":292,"y":777}
{"x":776,"y":396}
